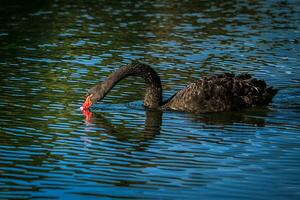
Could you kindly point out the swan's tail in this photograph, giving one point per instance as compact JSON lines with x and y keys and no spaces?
{"x":255,"y":92}
{"x":268,"y":95}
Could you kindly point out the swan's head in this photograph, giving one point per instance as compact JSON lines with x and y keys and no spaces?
{"x":93,"y":95}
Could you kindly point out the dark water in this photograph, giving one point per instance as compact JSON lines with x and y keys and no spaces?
{"x":52,"y":52}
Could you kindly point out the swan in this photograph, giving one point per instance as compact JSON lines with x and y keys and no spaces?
{"x":225,"y":92}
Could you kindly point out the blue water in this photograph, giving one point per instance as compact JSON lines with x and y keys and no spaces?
{"x":51,"y":52}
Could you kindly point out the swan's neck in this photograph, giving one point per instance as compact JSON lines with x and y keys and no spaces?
{"x":153,"y":94}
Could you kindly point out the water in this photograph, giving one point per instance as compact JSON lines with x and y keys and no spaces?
{"x":52,"y":52}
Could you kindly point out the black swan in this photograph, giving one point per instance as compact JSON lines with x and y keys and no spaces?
{"x":209,"y":94}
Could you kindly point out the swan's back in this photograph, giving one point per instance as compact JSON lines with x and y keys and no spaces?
{"x":221,"y":93}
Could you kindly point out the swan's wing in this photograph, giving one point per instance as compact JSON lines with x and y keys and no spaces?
{"x":209,"y":94}
{"x":204,"y":95}
{"x":221,"y":93}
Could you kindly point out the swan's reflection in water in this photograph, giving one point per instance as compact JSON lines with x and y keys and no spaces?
{"x":251,"y":117}
{"x":150,"y":127}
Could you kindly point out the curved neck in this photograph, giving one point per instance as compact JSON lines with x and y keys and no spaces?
{"x":153,"y":94}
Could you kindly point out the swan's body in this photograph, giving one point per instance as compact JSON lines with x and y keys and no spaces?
{"x":208,"y":94}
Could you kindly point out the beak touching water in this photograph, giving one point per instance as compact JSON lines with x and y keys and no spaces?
{"x":88,"y":103}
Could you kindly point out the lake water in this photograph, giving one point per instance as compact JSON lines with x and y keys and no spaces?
{"x":52,"y":52}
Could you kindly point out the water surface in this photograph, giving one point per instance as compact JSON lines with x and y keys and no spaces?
{"x":52,"y":52}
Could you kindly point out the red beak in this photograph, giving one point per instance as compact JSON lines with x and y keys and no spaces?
{"x":88,"y":103}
